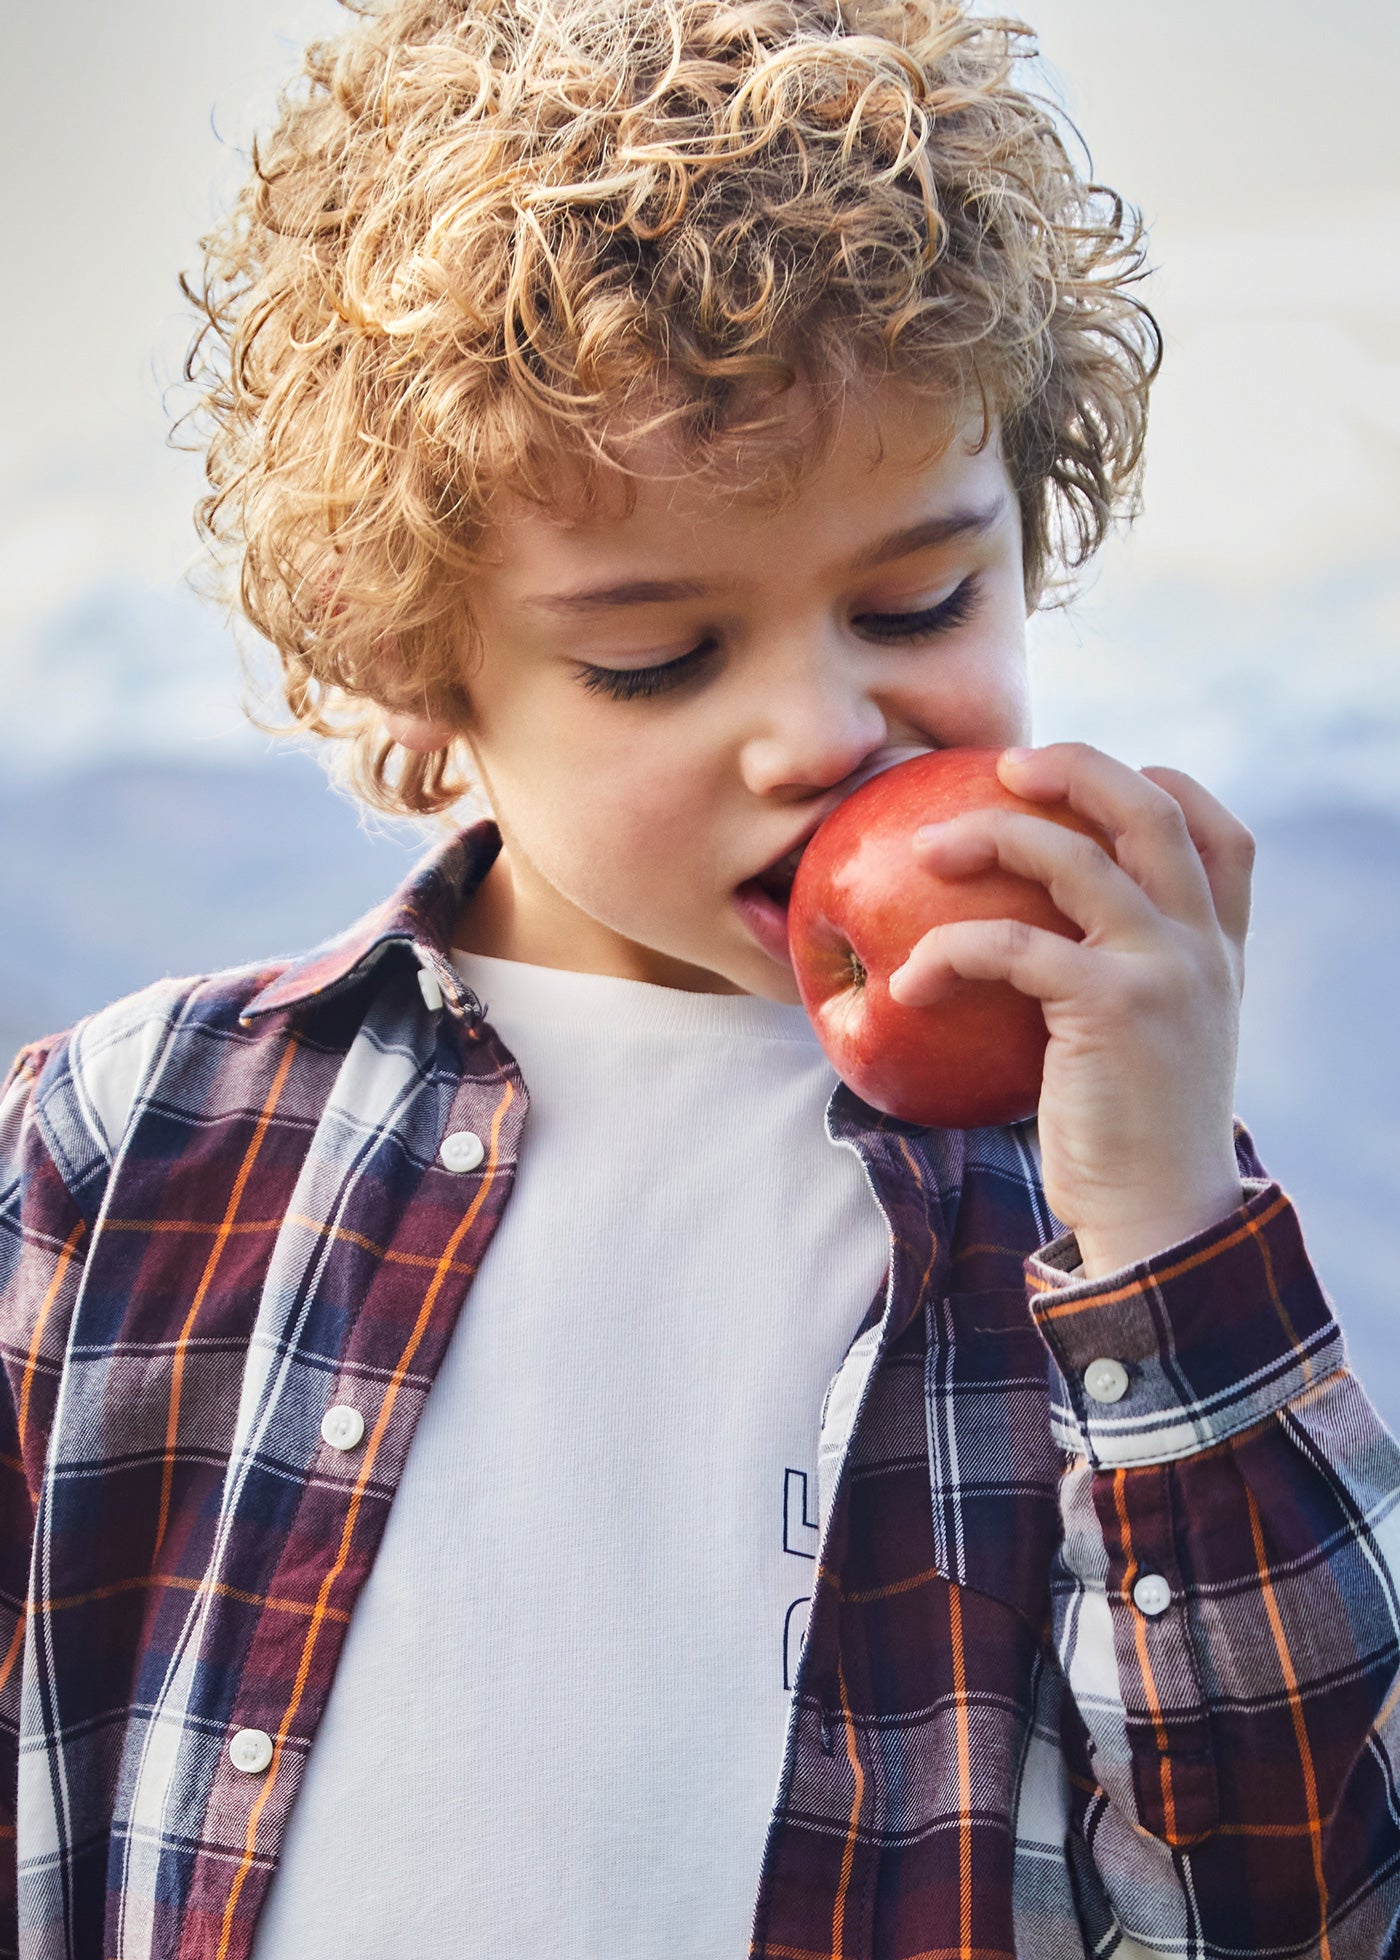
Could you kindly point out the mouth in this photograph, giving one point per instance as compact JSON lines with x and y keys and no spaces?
{"x":763,"y":898}
{"x":775,"y":880}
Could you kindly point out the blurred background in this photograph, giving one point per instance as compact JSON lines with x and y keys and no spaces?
{"x":1247,"y":631}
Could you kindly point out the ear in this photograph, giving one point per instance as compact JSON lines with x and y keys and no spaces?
{"x":420,"y":735}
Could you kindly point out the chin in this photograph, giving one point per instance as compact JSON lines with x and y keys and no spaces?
{"x":763,"y":978}
{"x":776,"y":986}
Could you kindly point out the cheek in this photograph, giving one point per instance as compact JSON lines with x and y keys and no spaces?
{"x":596,"y":816}
{"x":979,"y":699}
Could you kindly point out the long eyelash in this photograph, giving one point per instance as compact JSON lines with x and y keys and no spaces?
{"x":949,"y":612}
{"x":632,"y":683}
{"x":637,"y":683}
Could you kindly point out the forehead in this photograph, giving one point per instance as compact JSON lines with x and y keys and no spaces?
{"x":816,"y":476}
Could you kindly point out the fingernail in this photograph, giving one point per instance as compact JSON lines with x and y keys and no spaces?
{"x":926,"y":833}
{"x":1017,"y":755}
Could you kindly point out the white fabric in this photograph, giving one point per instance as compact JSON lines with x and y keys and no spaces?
{"x":558,"y":1721}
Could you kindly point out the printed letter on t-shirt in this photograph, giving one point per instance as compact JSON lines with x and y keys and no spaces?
{"x":800,"y":1536}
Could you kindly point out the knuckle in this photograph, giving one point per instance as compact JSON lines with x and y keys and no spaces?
{"x":1162,"y":773}
{"x":1243,"y":847}
{"x":1087,"y":855}
{"x":1165,"y":815}
{"x":1014,"y":937}
{"x":1142,"y":987}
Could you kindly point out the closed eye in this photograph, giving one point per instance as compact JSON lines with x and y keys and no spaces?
{"x":631,"y":683}
{"x":638,"y":683}
{"x":925,"y":624}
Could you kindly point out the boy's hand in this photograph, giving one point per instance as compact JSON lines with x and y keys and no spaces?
{"x":1136,"y":1111}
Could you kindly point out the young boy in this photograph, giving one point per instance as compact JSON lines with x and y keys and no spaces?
{"x":822,"y":1537}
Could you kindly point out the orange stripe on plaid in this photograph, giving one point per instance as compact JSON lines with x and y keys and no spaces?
{"x":177,"y":1373}
{"x":386,"y":1253}
{"x":1149,"y":1684}
{"x":1249,"y":1229}
{"x":899,"y":1586}
{"x":322,"y":1227}
{"x":178,"y":1582}
{"x":916,"y":1175}
{"x":1267,"y":1260}
{"x":64,"y":1261}
{"x":955,"y":1629}
{"x":1272,"y":1830}
{"x":848,"y":1850}
{"x":963,"y":1953}
{"x":1295,"y":1705}
{"x":925,"y":1953}
{"x":396,"y":1381}
{"x":12,"y":1652}
{"x":205,"y":1227}
{"x":1090,"y":1788}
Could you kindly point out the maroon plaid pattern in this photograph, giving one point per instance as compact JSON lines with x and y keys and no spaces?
{"x":222,"y":1211}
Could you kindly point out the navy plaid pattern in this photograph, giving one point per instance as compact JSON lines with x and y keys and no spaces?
{"x":222,"y":1211}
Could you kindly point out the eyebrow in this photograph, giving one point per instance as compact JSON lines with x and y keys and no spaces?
{"x":926,"y":535}
{"x":931,"y":531}
{"x":633,"y":592}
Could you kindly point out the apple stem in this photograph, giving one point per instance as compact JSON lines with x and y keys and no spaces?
{"x":857,"y":967}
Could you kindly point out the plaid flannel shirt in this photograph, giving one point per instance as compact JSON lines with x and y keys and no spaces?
{"x":223,"y":1210}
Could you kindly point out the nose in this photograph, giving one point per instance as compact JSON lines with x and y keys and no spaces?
{"x":816,"y":726}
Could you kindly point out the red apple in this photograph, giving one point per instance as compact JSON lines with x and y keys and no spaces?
{"x":860,"y":901}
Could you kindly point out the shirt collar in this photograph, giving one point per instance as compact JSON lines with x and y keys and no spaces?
{"x":920,"y":1183}
{"x":421,"y":915}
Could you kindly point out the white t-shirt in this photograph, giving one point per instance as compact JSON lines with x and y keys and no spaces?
{"x":559,"y":1716}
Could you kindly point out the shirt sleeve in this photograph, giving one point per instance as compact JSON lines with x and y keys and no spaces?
{"x":43,"y":1234}
{"x":1227,"y":1602}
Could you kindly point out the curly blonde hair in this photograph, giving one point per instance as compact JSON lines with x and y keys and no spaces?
{"x":488,"y":237}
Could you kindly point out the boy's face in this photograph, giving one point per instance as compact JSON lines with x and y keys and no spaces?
{"x":667,"y":701}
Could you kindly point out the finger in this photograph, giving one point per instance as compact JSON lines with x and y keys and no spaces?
{"x":1080,"y":877}
{"x":1224,"y":844}
{"x":1151,"y":839}
{"x":1034,"y":961}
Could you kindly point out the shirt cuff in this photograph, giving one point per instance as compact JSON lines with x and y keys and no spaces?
{"x":1175,"y":1353}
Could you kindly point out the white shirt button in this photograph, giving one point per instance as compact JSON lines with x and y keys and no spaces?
{"x":342,"y":1427}
{"x":1106,"y":1380}
{"x":462,"y":1150}
{"x":251,"y":1751}
{"x":1152,"y":1595}
{"x":429,"y":988}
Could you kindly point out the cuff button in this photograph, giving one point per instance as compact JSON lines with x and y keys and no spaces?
{"x":1105,"y":1380}
{"x":461,"y":1151}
